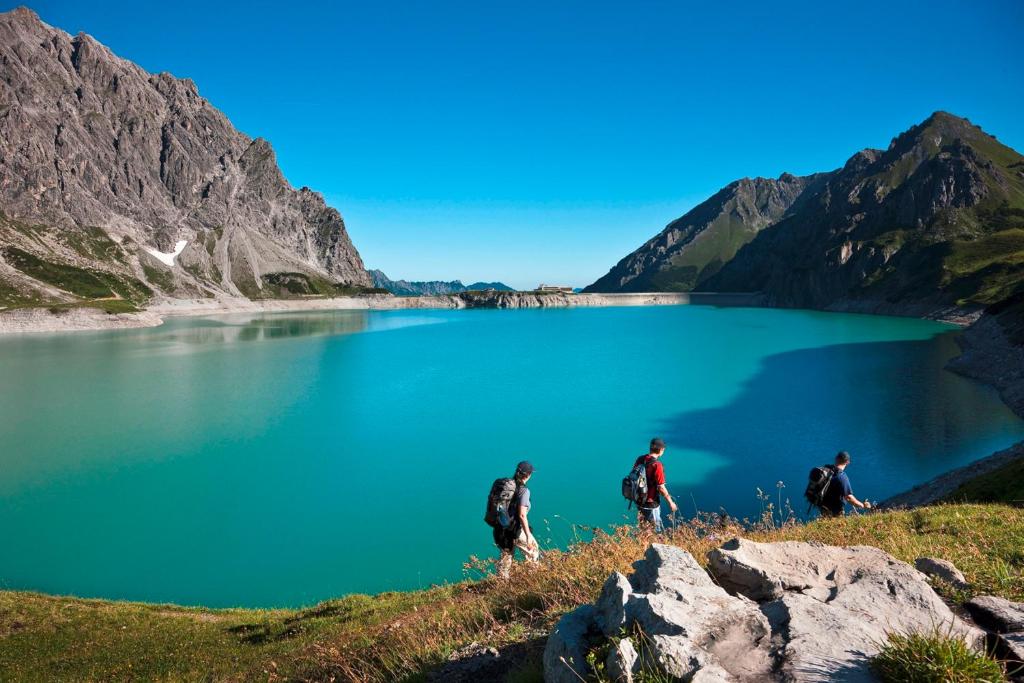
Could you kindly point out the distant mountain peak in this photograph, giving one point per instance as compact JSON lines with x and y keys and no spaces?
{"x":430,"y":287}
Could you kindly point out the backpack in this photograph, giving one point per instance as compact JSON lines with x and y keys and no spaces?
{"x":634,"y":485}
{"x":817,"y":484}
{"x":499,"y":500}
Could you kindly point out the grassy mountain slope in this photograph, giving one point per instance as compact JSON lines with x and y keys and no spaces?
{"x":935,"y":219}
{"x":399,"y":636}
{"x":693,"y":247}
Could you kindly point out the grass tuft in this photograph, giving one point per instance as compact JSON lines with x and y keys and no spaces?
{"x":934,"y":657}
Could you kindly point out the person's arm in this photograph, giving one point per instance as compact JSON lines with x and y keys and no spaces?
{"x":671,"y":503}
{"x":852,"y":500}
{"x":523,"y":512}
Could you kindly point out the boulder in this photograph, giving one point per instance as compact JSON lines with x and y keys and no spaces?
{"x":623,"y":662}
{"x":611,"y":606}
{"x":831,"y":608}
{"x":565,"y":655}
{"x":941,"y":569}
{"x":1013,"y":646}
{"x":762,"y":611}
{"x":997,"y":614}
{"x":691,"y":625}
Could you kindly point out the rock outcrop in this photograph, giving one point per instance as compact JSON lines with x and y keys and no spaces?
{"x":943,"y":570}
{"x":1005,"y":622}
{"x":997,"y":614}
{"x":780,"y":611}
{"x":118,"y":183}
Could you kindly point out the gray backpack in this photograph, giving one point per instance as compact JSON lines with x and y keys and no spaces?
{"x":499,"y":500}
{"x":634,"y":485}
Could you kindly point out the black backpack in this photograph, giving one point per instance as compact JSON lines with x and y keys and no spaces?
{"x":499,"y":500}
{"x":817,"y":484}
{"x":634,"y":484}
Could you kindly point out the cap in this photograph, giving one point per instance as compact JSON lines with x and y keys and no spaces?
{"x":524,"y":468}
{"x":657,"y":444}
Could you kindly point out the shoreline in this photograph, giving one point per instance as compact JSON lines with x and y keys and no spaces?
{"x":938,"y":488}
{"x":83,"y":319}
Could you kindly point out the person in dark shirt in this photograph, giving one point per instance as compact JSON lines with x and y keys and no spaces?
{"x":649,"y":514}
{"x":839,"y":491}
{"x":518,"y":535}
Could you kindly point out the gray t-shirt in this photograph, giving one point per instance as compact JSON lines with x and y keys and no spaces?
{"x":521,"y":501}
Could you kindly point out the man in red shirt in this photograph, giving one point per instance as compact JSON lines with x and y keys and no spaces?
{"x":649,"y":514}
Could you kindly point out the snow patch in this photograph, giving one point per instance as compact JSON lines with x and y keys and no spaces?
{"x":168,"y":258}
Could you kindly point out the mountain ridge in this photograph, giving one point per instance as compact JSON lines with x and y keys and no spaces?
{"x":431,"y":287}
{"x":105,"y":167}
{"x":935,"y":220}
{"x":691,"y":248}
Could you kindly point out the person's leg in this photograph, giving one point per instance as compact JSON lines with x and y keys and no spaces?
{"x":656,"y":520}
{"x":650,"y":518}
{"x":828,"y":512}
{"x":504,"y":564}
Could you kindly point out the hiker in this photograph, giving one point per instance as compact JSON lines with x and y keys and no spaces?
{"x":508,"y":508}
{"x":834,"y":489}
{"x":649,"y":504}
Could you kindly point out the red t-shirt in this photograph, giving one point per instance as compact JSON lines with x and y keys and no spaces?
{"x":655,"y":478}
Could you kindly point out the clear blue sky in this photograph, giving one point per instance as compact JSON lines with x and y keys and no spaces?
{"x":542,"y":141}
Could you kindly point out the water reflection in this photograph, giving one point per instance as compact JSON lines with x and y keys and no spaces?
{"x":250,"y":327}
{"x":256,"y":327}
{"x":884,"y":402}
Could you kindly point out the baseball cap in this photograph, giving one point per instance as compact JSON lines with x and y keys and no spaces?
{"x":524,"y":467}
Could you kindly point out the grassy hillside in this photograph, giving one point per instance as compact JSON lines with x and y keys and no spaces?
{"x":1005,"y":485}
{"x":399,"y":636}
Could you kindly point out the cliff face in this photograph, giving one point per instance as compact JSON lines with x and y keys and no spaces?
{"x":692,"y":248}
{"x":935,"y":220}
{"x":106,"y":169}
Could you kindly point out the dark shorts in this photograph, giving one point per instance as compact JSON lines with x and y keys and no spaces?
{"x":832,"y":512}
{"x":505,"y":539}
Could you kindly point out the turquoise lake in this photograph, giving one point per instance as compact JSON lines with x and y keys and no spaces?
{"x":281,"y":459}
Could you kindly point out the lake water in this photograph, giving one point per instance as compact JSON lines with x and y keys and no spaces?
{"x":281,"y":459}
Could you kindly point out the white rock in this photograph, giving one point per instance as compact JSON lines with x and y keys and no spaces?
{"x":942,"y":569}
{"x":565,"y":655}
{"x":611,"y":606}
{"x":833,"y":607}
{"x":623,"y":662}
{"x":997,"y":614}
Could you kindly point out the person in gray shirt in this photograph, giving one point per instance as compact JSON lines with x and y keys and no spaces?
{"x":518,"y":535}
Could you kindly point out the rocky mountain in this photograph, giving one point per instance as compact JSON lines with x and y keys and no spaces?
{"x":118,"y":183}
{"x":694,"y":247}
{"x":432,"y":287}
{"x":934,"y":221}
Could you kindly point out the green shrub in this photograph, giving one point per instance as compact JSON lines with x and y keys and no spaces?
{"x":63,"y":276}
{"x":933,"y":657}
